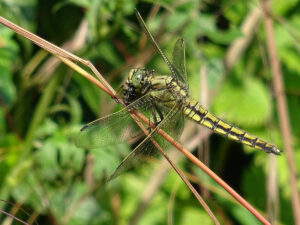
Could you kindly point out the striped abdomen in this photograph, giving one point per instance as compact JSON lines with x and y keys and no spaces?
{"x":200,"y":115}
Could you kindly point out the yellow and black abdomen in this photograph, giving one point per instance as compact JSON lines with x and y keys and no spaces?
{"x":194,"y":111}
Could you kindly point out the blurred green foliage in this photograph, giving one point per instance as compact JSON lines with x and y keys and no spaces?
{"x":60,"y":184}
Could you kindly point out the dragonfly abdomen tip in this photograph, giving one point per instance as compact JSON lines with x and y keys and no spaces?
{"x":276,"y":151}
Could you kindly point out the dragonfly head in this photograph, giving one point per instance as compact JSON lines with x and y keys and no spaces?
{"x":138,"y":78}
{"x":137,"y":84}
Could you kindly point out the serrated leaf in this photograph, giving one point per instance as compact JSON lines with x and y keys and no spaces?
{"x":58,"y":151}
{"x":48,"y":127}
{"x":246,"y":104}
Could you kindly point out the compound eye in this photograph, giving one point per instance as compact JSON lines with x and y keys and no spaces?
{"x":137,"y":79}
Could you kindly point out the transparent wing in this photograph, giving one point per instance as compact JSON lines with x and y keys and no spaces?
{"x":174,"y":70}
{"x":119,"y":127}
{"x":172,"y":124}
{"x":112,"y":129}
{"x":179,"y":59}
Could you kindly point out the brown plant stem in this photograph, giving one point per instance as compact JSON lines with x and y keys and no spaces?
{"x":282,"y":109}
{"x":13,"y":217}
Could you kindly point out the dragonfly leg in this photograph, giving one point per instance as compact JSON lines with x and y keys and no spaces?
{"x":116,"y":99}
{"x":156,"y":112}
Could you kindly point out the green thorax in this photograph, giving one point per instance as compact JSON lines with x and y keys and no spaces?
{"x":165,"y":89}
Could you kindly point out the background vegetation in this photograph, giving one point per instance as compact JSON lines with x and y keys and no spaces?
{"x":43,"y":103}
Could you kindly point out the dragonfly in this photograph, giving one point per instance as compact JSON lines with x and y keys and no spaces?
{"x":166,"y":101}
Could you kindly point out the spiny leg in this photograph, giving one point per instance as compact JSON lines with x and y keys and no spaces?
{"x":156,"y":111}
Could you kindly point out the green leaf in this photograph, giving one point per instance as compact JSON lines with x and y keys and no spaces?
{"x":108,"y":158}
{"x":287,"y":44}
{"x":108,"y":52}
{"x":282,"y":7}
{"x":163,"y":3}
{"x":291,"y":80}
{"x":81,"y":3}
{"x":202,"y":24}
{"x":236,"y":12}
{"x":7,"y":88}
{"x":89,"y":92}
{"x":28,"y":191}
{"x":244,"y":216}
{"x":57,"y":151}
{"x":89,"y":212}
{"x":245,"y":103}
{"x":8,"y":55}
{"x":176,"y":20}
{"x":225,"y":37}
{"x":20,"y":12}
{"x":294,"y":112}
{"x":254,"y":181}
{"x":75,"y":110}
{"x":192,"y":216}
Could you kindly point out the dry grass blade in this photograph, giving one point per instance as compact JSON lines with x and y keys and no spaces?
{"x":13,"y":218}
